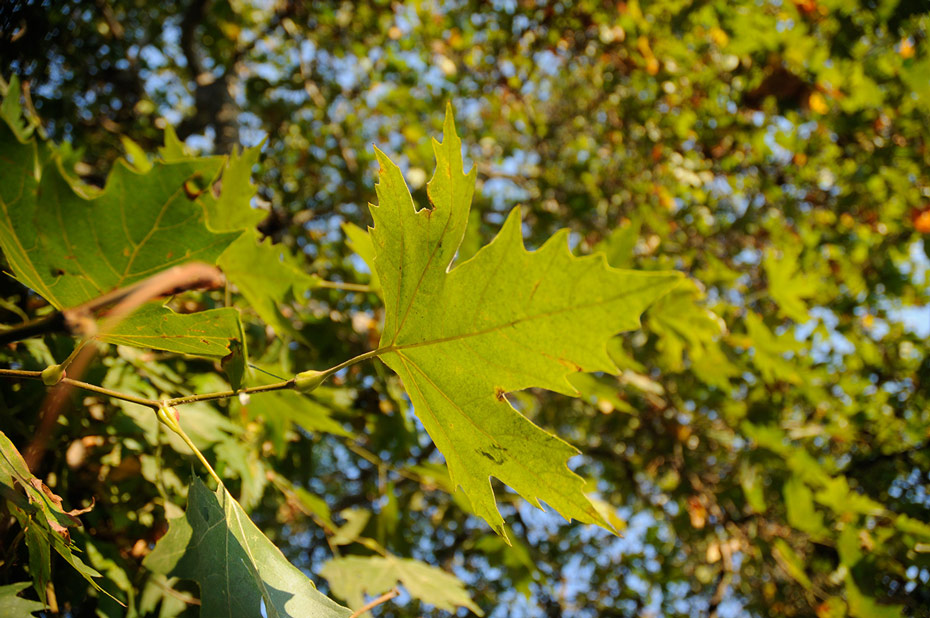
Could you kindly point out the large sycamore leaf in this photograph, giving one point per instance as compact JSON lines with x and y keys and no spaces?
{"x":237,"y":567}
{"x":505,"y":320}
{"x":72,"y":243}
{"x":71,"y":248}
{"x":352,"y":577}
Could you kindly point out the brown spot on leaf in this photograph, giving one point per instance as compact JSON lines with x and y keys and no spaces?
{"x":497,"y":459}
{"x":194,"y":186}
{"x":56,"y":525}
{"x":499,"y":393}
{"x":571,"y":365}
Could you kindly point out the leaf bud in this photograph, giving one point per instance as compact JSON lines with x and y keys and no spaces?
{"x":52,"y":375}
{"x":170,"y":416}
{"x":307,"y":381}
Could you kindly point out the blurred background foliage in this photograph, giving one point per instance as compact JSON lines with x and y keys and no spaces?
{"x":765,"y":444}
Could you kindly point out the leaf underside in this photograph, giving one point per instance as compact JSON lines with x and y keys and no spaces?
{"x":72,"y":243}
{"x":505,"y":320}
{"x":205,"y":333}
{"x":71,"y":249}
{"x":237,"y":568}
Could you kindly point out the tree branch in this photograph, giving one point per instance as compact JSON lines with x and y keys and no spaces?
{"x":78,"y":320}
{"x":384,"y":598}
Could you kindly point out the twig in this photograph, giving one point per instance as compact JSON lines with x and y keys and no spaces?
{"x":277,"y":386}
{"x":57,"y":396}
{"x":51,"y":323}
{"x":150,"y":403}
{"x":341,"y":285}
{"x":384,"y":598}
{"x":21,"y":373}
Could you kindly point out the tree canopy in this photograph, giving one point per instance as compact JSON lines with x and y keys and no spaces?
{"x":659,"y":269}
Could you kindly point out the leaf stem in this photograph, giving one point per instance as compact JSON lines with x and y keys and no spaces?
{"x":166,"y":415}
{"x":77,"y":350}
{"x":356,"y":359}
{"x":150,"y":403}
{"x":177,"y":401}
{"x":277,"y":386}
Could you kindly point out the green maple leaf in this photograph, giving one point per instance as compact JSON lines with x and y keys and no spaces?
{"x":71,"y":243}
{"x":13,"y":605}
{"x":505,"y":320}
{"x":237,"y":567}
{"x":268,"y":276}
{"x":352,"y":577}
{"x":71,"y":248}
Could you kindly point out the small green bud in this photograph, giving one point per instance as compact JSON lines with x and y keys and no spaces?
{"x":170,"y":417}
{"x":307,"y":381}
{"x":52,"y":375}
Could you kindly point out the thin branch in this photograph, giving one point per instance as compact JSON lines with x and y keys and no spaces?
{"x":21,"y":373}
{"x":384,"y":598}
{"x":51,"y":323}
{"x":177,"y":401}
{"x":341,"y":285}
{"x":37,"y":375}
{"x":150,"y":403}
{"x":277,"y":386}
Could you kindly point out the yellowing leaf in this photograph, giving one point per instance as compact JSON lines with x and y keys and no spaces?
{"x":137,"y":156}
{"x":863,"y":606}
{"x":618,"y":246}
{"x":360,"y":242}
{"x":174,"y":149}
{"x":799,"y":503}
{"x":769,"y":351}
{"x":206,"y":333}
{"x":683,"y":324}
{"x":818,"y":103}
{"x":352,"y":577}
{"x":505,"y":320}
{"x":40,"y":514}
{"x":237,"y":567}
{"x":232,"y":209}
